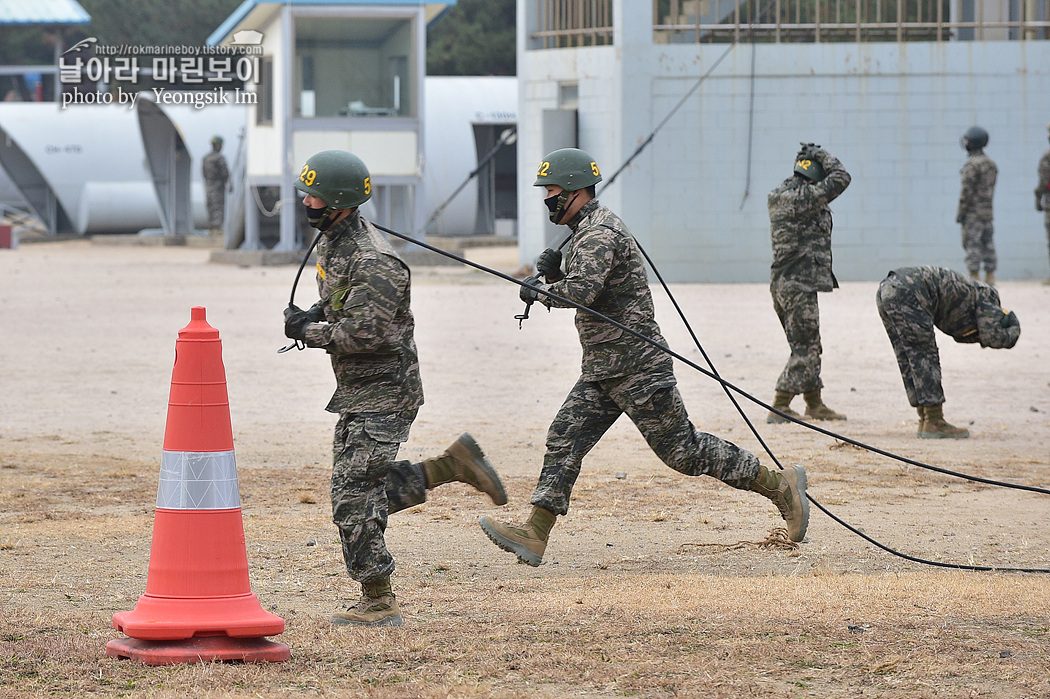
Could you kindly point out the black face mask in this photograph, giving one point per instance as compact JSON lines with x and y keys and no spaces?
{"x":319,"y":218}
{"x":557,"y":204}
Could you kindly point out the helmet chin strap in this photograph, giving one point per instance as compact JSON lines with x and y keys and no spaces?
{"x":319,"y":218}
{"x":563,"y":206}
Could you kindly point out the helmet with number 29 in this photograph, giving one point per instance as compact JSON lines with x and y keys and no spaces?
{"x":336,"y":177}
{"x":569,"y":168}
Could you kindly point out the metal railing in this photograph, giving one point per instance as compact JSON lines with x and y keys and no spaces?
{"x":565,"y":23}
{"x":815,"y":21}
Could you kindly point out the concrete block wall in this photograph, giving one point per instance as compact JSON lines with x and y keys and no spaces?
{"x":893,"y":113}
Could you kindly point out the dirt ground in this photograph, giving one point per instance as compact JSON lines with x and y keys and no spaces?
{"x":654,"y":584}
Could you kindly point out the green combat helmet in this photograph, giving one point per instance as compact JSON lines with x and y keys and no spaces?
{"x":336,"y":177}
{"x":974,"y":139}
{"x":569,"y":168}
{"x":806,"y":163}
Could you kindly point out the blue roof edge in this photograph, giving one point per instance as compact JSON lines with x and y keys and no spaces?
{"x":77,"y":15}
{"x":224,"y":29}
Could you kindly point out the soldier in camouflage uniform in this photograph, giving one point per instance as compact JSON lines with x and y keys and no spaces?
{"x":364,"y":322}
{"x":975,"y":205}
{"x":215,"y":172}
{"x":1042,"y":194}
{"x":620,"y":373}
{"x":800,"y":228}
{"x":912,"y":301}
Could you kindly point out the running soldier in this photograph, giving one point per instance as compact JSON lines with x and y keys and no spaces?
{"x":800,"y":227}
{"x":912,"y":301}
{"x":620,"y":373}
{"x":215,"y":173}
{"x":975,"y":205}
{"x":1042,"y":194}
{"x":364,"y":322}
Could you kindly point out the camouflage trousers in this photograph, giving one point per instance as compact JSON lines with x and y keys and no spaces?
{"x":368,"y":485}
{"x":1046,"y":222}
{"x":215,"y":202}
{"x":911,"y":331}
{"x":979,"y":244}
{"x":656,"y":408}
{"x":800,"y":317}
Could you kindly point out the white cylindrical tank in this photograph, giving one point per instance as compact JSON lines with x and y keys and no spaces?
{"x":454,"y":105}
{"x":77,"y":145}
{"x":92,"y":158}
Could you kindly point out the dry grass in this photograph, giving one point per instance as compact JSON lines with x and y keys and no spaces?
{"x":621,"y":626}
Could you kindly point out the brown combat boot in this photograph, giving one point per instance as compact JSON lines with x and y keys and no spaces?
{"x":787,"y":490}
{"x":922,"y":420}
{"x":377,"y":607}
{"x":989,"y":278}
{"x":816,"y":410}
{"x":527,"y":542}
{"x":782,"y":402}
{"x":934,"y":426}
{"x":464,"y":462}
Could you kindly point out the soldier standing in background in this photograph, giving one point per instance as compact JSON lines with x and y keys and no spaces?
{"x":912,"y":301}
{"x":364,"y":322}
{"x":975,"y":205}
{"x":620,"y":373}
{"x":800,"y":227}
{"x":1042,"y":194}
{"x":215,"y":176}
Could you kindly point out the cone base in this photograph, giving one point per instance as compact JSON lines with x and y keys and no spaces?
{"x":199,"y":650}
{"x":179,"y":618}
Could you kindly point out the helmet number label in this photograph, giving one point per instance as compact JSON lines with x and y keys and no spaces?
{"x":594,"y":169}
{"x":805,"y":164}
{"x":368,"y":185}
{"x":545,"y":169}
{"x":307,"y":176}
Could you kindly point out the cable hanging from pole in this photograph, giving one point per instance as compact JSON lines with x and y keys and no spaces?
{"x":649,"y":138}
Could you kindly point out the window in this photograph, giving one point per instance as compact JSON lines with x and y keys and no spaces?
{"x":354,"y":67}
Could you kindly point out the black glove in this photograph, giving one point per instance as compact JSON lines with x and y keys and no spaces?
{"x":316,"y":313}
{"x":295,"y":322}
{"x":528,"y":294}
{"x":1009,"y":320}
{"x":808,"y":151}
{"x":549,"y":265}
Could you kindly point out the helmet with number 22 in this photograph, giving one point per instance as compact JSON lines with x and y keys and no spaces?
{"x":569,"y":168}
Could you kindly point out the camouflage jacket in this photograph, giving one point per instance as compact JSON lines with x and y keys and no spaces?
{"x":978,"y":186}
{"x":1043,"y":188}
{"x":213,"y":168}
{"x":967,"y":309}
{"x":604,"y":272}
{"x":800,"y":228}
{"x":365,"y":291}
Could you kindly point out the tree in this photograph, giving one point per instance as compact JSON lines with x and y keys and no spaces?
{"x":476,"y":37}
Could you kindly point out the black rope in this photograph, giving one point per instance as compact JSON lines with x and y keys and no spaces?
{"x":299,"y":344}
{"x":730,"y":387}
{"x":823,"y":509}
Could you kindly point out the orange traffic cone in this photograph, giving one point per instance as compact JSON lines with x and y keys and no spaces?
{"x":198,"y":604}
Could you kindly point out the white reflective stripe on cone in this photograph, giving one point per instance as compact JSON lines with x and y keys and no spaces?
{"x":198,"y":480}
